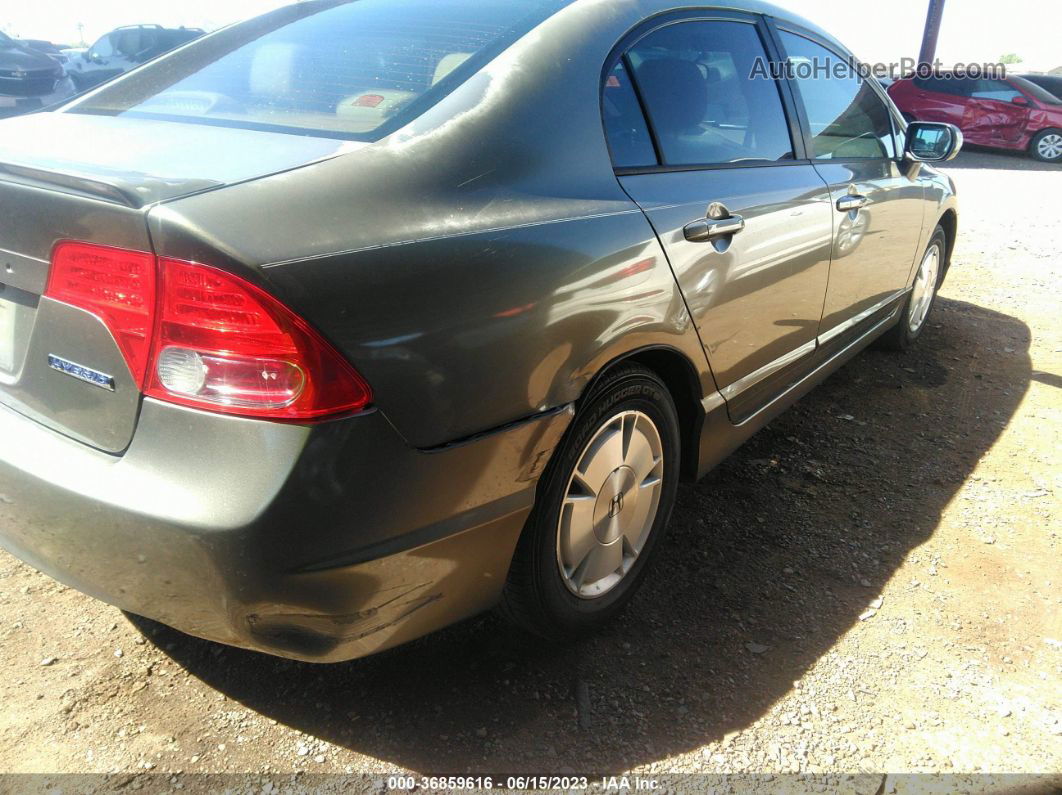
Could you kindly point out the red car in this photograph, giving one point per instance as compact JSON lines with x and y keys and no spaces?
{"x":1007,"y":114}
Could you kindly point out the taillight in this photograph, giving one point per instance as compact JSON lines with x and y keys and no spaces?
{"x":115,"y":285}
{"x":216,"y":341}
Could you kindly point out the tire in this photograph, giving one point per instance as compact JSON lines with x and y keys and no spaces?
{"x":1046,"y":146}
{"x":540,"y":593}
{"x":914,"y":317}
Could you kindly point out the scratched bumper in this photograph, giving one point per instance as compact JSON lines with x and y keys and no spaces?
{"x":319,"y":544}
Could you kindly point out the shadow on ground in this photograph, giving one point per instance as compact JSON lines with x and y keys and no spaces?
{"x":770,"y":549}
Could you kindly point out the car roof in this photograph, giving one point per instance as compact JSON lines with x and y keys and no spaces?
{"x":779,"y":13}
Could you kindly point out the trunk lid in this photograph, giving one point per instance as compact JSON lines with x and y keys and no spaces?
{"x":94,"y":179}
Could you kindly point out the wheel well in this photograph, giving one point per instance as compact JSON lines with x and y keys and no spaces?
{"x":682,"y":381}
{"x":949,"y":222}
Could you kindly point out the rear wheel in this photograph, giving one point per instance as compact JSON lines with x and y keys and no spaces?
{"x":1047,"y":146}
{"x":922,"y":296}
{"x":602,"y":508}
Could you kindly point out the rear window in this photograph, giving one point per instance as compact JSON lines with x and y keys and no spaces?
{"x":355,"y":69}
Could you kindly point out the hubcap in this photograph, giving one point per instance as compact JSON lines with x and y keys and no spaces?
{"x":610,"y":505}
{"x":1050,"y":146}
{"x":925,"y":287}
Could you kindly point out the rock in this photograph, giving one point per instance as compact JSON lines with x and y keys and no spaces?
{"x":481,"y":732}
{"x":877,"y":603}
{"x":756,"y":648}
{"x":49,"y":661}
{"x":867,"y":614}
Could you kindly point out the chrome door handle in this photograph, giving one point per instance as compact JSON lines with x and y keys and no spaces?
{"x":706,"y":229}
{"x":853,"y":201}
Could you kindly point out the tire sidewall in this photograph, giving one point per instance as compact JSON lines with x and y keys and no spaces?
{"x":637,"y":390}
{"x":1034,"y":147}
{"x":909,"y":336}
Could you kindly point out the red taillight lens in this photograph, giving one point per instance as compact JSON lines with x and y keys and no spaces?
{"x":216,"y":342}
{"x":224,"y":344}
{"x":115,"y":285}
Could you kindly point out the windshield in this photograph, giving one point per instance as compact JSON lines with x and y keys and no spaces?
{"x":1038,"y":93}
{"x":340,"y":68}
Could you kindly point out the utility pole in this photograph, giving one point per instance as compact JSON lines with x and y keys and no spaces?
{"x":932,"y":32}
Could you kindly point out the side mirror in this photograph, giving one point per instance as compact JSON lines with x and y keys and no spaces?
{"x":1021,"y":101}
{"x":930,"y":142}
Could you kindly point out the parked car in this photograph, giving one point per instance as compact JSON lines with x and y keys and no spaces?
{"x":29,"y":79}
{"x":1005,"y":114}
{"x":1050,"y":83}
{"x":334,"y":327}
{"x":40,"y":45}
{"x":124,"y":48}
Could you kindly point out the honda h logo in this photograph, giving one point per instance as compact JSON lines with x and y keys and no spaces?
{"x":615,"y":506}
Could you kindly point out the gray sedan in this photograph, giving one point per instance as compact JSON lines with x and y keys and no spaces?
{"x":356,"y":319}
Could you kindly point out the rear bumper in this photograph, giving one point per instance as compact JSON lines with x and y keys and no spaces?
{"x":319,"y":544}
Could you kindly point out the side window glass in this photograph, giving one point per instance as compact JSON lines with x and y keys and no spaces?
{"x":628,"y":134}
{"x":847,"y":119}
{"x":148,"y":40}
{"x":994,"y":89}
{"x":939,"y":85}
{"x":128,"y":42}
{"x":103,"y":48}
{"x":962,"y":86}
{"x":706,"y":100}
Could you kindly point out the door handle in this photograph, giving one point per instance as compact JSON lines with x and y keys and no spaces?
{"x":852,"y":201}
{"x":719,"y":223}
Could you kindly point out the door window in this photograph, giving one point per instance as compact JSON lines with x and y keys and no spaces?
{"x":128,"y":43}
{"x":959,"y":87}
{"x":628,"y":134}
{"x":102,"y":48}
{"x":704,"y":98}
{"x":995,"y":89}
{"x":847,"y":118}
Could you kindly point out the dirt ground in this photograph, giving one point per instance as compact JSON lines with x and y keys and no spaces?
{"x":871,"y":584}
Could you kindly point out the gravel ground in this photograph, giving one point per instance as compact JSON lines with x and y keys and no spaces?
{"x":869,"y":585}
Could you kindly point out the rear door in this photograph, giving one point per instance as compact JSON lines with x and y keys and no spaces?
{"x":993,"y":117}
{"x":744,"y":219}
{"x":940,"y":99}
{"x":877,"y":204}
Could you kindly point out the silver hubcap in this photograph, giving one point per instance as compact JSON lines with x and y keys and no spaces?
{"x":610,"y":505}
{"x":1050,"y":146}
{"x":925,"y":287}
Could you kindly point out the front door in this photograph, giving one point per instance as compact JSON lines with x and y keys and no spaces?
{"x":745,"y":224}
{"x":877,"y":205}
{"x":993,"y":117}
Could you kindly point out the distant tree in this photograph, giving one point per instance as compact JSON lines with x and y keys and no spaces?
{"x":1010,"y":58}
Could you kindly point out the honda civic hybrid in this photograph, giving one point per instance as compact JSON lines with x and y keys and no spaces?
{"x":345,"y":323}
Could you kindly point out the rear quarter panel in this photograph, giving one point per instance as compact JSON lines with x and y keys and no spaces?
{"x":479,"y":265}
